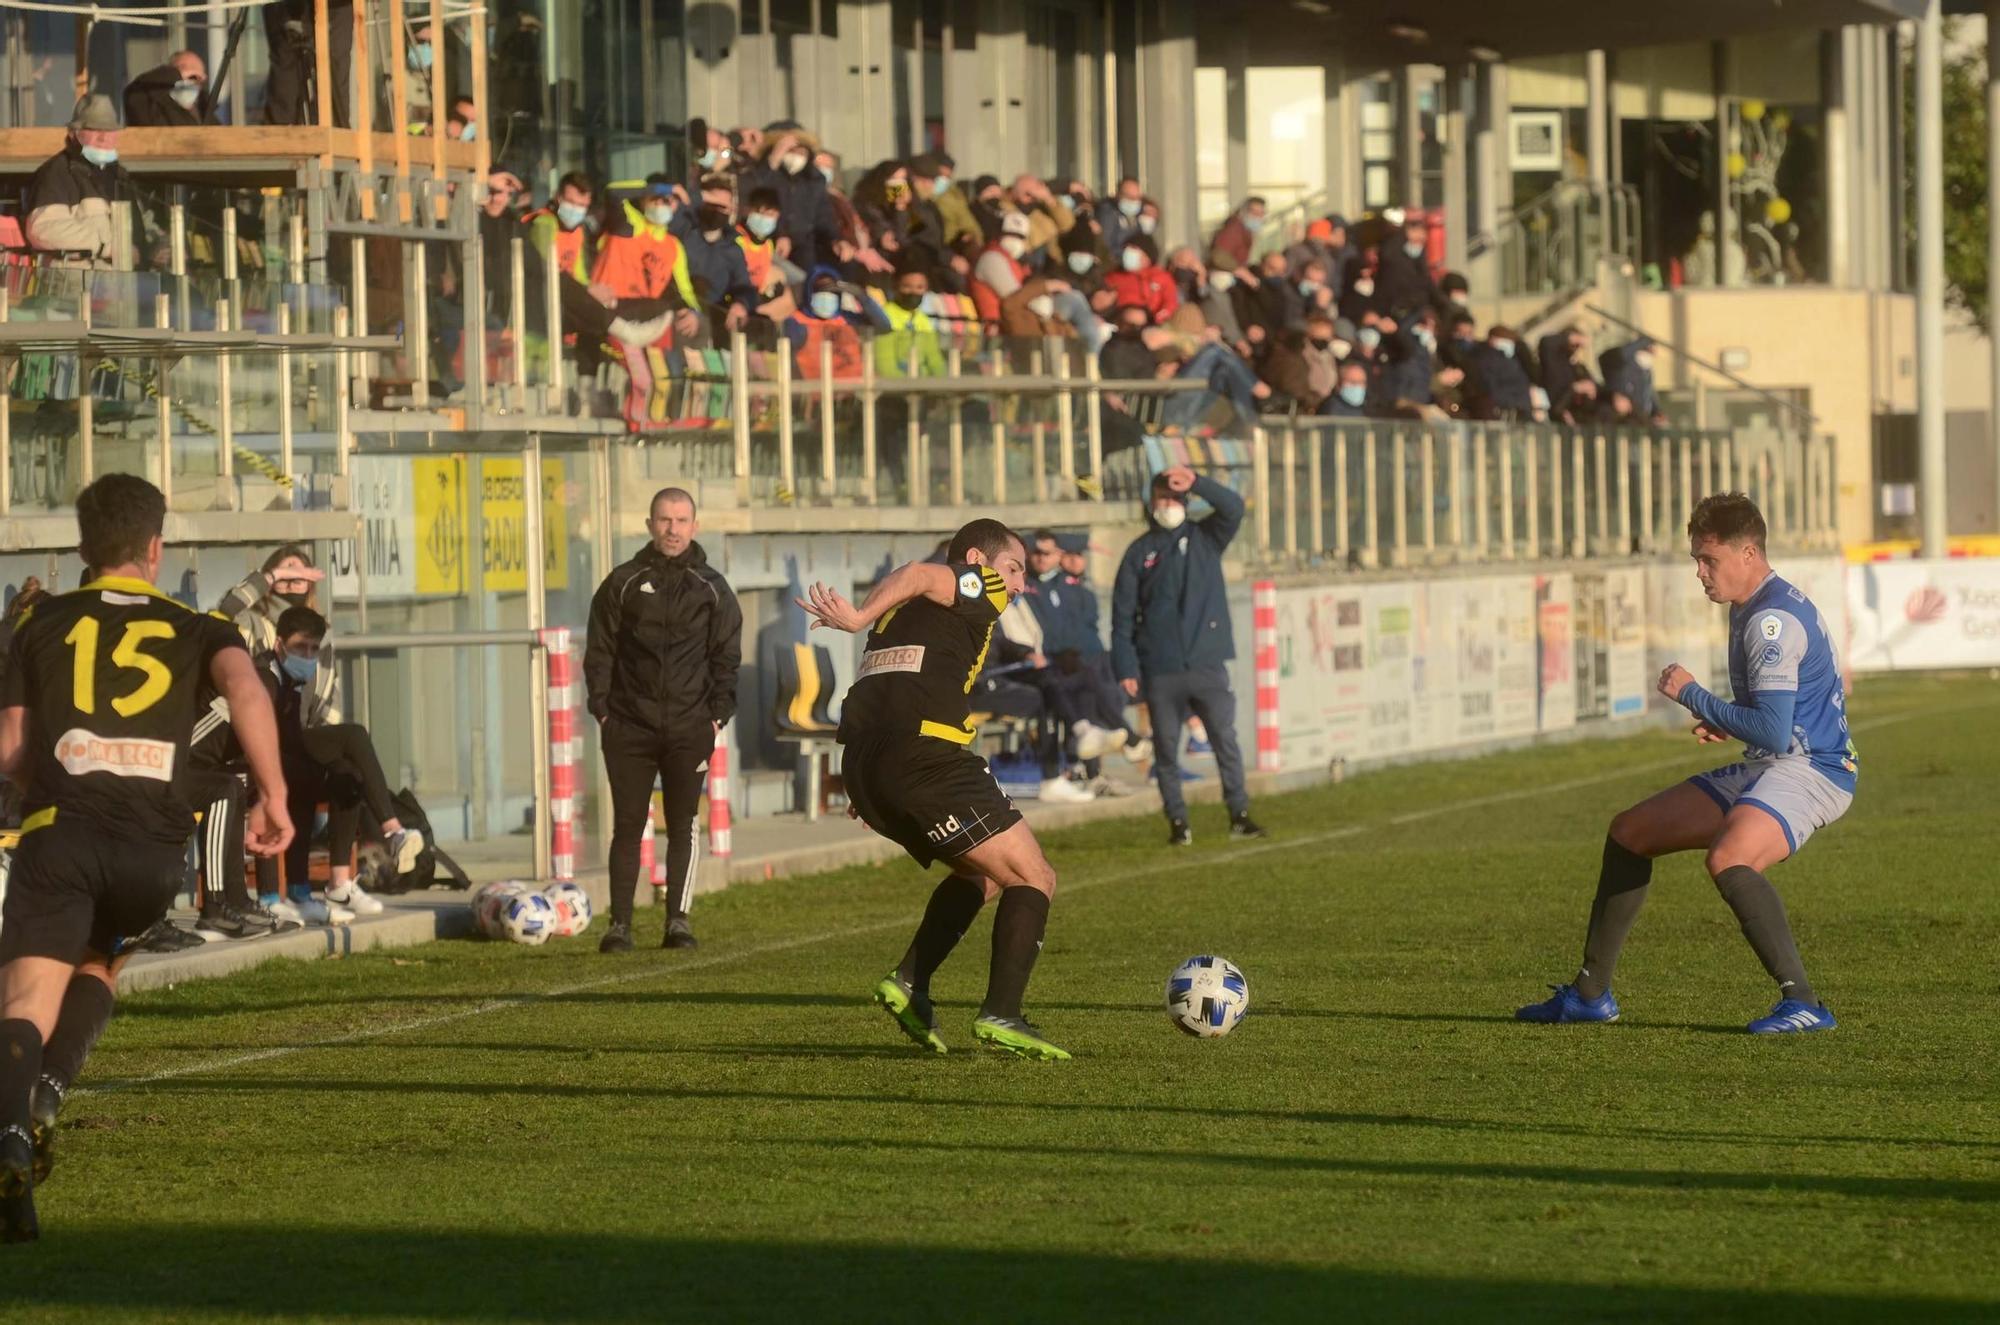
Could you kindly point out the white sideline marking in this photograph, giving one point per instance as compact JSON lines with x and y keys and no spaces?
{"x":1151,"y":871}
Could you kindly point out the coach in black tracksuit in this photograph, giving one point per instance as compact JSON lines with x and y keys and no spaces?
{"x":666,"y":637}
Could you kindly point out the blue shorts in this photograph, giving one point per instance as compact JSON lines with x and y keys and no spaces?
{"x":1788,"y":788}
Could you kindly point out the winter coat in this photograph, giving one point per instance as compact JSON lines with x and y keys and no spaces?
{"x":1170,"y":606}
{"x":666,"y":639}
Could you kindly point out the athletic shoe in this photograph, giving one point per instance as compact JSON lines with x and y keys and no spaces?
{"x":1242,"y":825}
{"x":1062,"y":791}
{"x":1017,"y":1036}
{"x":354,"y":899}
{"x":1094,"y":742}
{"x":1139,"y":751}
{"x":228,"y":922}
{"x":640,"y":334}
{"x":679,"y":934}
{"x":286,"y":914}
{"x":1198,"y":745}
{"x":1179,"y":834}
{"x":1567,"y":1005}
{"x":912,"y":1011}
{"x":313,"y":911}
{"x":616,"y":939}
{"x":166,"y":936}
{"x":1792,"y":1015}
{"x":44,"y":1103}
{"x":17,"y":1185}
{"x":404,"y":847}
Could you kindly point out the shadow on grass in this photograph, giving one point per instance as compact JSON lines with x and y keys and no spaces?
{"x":1966,"y":1189}
{"x":173,"y":1270}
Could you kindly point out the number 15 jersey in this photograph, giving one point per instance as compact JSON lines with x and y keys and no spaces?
{"x":109,"y":675}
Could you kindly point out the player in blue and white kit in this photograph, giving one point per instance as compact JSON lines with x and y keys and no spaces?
{"x":1797,"y":775}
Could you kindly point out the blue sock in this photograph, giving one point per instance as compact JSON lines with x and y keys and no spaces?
{"x":301,"y":892}
{"x":267,"y":900}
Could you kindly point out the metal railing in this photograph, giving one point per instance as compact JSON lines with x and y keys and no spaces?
{"x":1372,"y":494}
{"x":1553,"y":244}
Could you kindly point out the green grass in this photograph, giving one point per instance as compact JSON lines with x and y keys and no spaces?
{"x":515,"y":1134}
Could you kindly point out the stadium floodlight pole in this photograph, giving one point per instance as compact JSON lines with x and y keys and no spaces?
{"x":1931,"y":480}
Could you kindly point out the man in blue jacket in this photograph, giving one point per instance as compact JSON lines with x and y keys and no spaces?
{"x":1170,"y":638}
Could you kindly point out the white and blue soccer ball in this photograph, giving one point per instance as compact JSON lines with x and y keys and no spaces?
{"x":1207,"y":996}
{"x":572,"y":907}
{"x":528,"y":918}
{"x":490,"y":901}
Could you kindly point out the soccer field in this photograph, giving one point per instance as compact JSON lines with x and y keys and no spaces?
{"x":470,"y":1131}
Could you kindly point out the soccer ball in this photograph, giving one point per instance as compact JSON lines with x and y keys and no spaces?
{"x":528,"y":918}
{"x":573,"y":909}
{"x":1207,"y":996}
{"x":490,"y":901}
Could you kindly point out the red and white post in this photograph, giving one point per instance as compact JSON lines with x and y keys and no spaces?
{"x":565,"y":748}
{"x":1264,"y":621}
{"x":718,"y":794}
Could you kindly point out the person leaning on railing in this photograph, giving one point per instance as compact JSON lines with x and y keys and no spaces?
{"x":175,"y":95}
{"x":71,"y":198}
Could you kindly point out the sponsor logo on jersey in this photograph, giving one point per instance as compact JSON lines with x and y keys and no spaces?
{"x":969,"y":585}
{"x":82,"y":752}
{"x":1771,"y":626}
{"x":645,"y":586}
{"x":901,"y":658}
{"x":1772,"y":653}
{"x":116,"y":599}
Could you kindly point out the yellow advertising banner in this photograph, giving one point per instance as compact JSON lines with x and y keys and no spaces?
{"x":503,"y":519}
{"x":439,"y":496}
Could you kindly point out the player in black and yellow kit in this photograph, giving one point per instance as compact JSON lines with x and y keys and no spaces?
{"x":911,"y":776}
{"x":96,"y":711}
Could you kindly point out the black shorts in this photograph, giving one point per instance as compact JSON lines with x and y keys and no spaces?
{"x":930,"y":797}
{"x":73,"y":890}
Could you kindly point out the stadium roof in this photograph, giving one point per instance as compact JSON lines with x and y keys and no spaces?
{"x":1402,"y":32}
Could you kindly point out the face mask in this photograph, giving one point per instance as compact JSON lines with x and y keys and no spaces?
{"x":1222,"y":282}
{"x":707,"y":160}
{"x":1068,"y":203}
{"x":826,"y":304}
{"x":301,"y":599}
{"x":1131,"y":259}
{"x":1369,"y":338}
{"x":1353,"y":393}
{"x":659,"y":213}
{"x":1013,"y":245}
{"x":1320,"y":342}
{"x":1414,"y":249}
{"x":1078,"y":203}
{"x":100,"y":156}
{"x":569,"y":215}
{"x":1364,"y":287}
{"x":1505,"y":347}
{"x":940,"y":186}
{"x":1147,"y":225}
{"x":302,"y":670}
{"x":1131,"y":330}
{"x":762,"y":224}
{"x":1081,"y":262}
{"x":1644,"y":359}
{"x":911,"y":302}
{"x":1253,"y":223}
{"x":1463,"y":342}
{"x":1341,"y":349}
{"x":421,"y":55}
{"x":826,"y":173}
{"x":1042,"y":306}
{"x":186,"y":93}
{"x":1307,"y":286}
{"x":1427,"y":339}
{"x":796,"y":162}
{"x":1170,"y":515}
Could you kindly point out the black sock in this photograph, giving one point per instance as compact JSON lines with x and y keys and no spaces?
{"x":86,"y":1007}
{"x":20,"y":1065}
{"x":1621,"y":891}
{"x":1755,"y":902}
{"x":954,"y":903}
{"x":1018,"y":923}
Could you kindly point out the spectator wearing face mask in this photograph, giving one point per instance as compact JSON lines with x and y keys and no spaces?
{"x":1403,"y":283}
{"x":942,"y":206}
{"x":288,"y":578}
{"x":1350,"y":397}
{"x":1280,"y":306}
{"x":1306,"y":365}
{"x":1118,"y":215}
{"x":715,"y":261}
{"x":905,"y":330}
{"x":70,"y":197}
{"x":806,"y":233}
{"x":173,"y":95}
{"x":1566,"y":377}
{"x":1325,"y":243}
{"x":1218,"y":301}
{"x":558,"y":234}
{"x":757,"y":237}
{"x":1461,"y":340}
{"x":823,"y":320}
{"x":1140,"y":281}
{"x":1368,"y":338}
{"x":989,"y":204}
{"x":1409,"y":366}
{"x":1315,"y":293}
{"x":1048,"y":221}
{"x":1238,"y":235}
{"x":644,"y":266}
{"x":1628,"y":383}
{"x":1497,"y":381}
{"x":709,"y":153}
{"x":998,"y":274}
